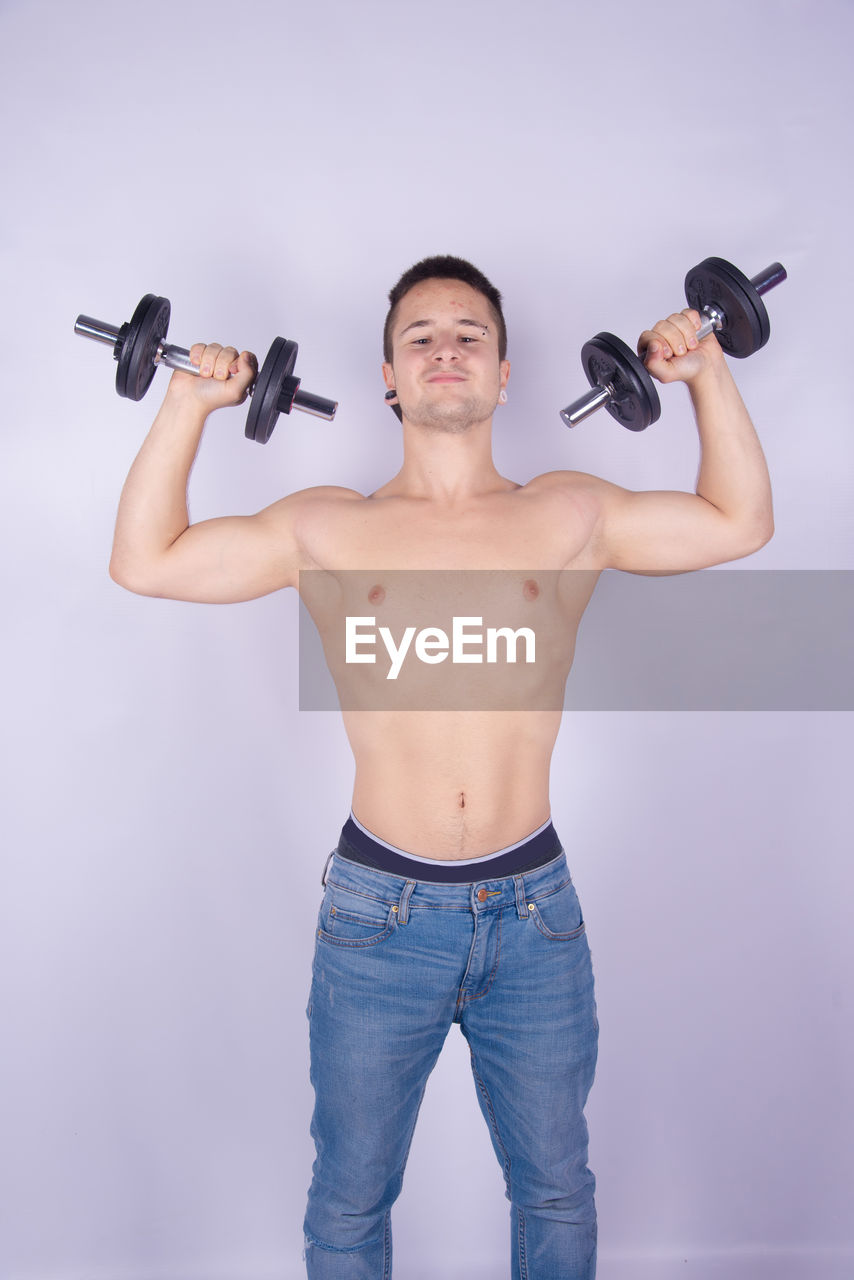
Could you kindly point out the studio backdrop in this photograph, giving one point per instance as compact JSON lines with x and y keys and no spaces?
{"x":169,"y":800}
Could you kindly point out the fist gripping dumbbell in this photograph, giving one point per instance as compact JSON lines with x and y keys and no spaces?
{"x":139,"y":346}
{"x":732,"y":309}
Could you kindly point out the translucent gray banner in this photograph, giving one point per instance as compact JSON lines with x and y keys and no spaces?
{"x":715,"y":640}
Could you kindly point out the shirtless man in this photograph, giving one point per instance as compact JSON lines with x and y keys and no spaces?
{"x":448,"y":896}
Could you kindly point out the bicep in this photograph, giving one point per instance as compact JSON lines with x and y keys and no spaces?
{"x":226,"y":560}
{"x":665,"y":531}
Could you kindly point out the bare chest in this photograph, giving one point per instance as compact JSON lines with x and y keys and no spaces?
{"x":476,"y":608}
{"x":513,"y":531}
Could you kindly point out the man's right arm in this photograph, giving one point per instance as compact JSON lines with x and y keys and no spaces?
{"x":156,"y":551}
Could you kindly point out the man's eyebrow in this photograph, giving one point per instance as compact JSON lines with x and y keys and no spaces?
{"x":424,"y":324}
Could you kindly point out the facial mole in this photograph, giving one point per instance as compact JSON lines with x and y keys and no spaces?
{"x":376,"y":595}
{"x":530,"y":589}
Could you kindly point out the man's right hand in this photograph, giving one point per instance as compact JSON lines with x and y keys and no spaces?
{"x":224,"y":377}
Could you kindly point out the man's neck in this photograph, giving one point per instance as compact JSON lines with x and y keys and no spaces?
{"x":447,"y":467}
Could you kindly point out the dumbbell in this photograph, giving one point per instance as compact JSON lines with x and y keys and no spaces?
{"x":734,"y":311}
{"x":139,"y":346}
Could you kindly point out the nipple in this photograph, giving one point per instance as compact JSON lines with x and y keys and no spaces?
{"x":530,"y":589}
{"x":376,"y":595}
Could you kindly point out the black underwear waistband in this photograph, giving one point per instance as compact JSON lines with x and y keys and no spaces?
{"x":359,"y":845}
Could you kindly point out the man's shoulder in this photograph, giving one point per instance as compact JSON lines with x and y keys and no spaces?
{"x":564,"y":480}
{"x":320,"y":495}
{"x":330,"y":493}
{"x":573,"y":486}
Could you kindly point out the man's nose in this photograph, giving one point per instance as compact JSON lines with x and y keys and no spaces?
{"x":446,"y":347}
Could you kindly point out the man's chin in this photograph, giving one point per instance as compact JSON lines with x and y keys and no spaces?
{"x":453,"y":419}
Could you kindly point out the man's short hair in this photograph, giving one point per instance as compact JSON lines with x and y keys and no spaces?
{"x":445,"y":267}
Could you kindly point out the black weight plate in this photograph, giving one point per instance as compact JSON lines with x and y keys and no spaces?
{"x":608,"y":362}
{"x":275,"y":371}
{"x":717,"y":283}
{"x":147,"y":329}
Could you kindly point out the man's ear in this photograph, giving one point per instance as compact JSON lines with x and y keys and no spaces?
{"x":391,"y":393}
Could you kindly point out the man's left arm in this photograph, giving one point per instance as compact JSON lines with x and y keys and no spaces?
{"x":730,"y":515}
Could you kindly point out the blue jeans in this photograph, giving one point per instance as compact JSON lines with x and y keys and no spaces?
{"x":398,"y":961}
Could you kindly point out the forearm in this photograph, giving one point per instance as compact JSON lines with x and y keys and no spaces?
{"x":153,"y":506}
{"x":733,"y":474}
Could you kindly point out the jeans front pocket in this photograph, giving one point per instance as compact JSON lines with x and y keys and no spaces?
{"x":557,"y":914}
{"x":351,"y":919}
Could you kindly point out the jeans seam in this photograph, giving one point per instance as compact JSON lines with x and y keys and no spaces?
{"x":478,"y":995}
{"x":549,"y":893}
{"x":493,"y":1122}
{"x":523,"y":1261}
{"x":360,"y":893}
{"x":556,"y":937}
{"x":334,"y":1248}
{"x":351,"y":944}
{"x":463,"y":998}
{"x":387,"y":1245}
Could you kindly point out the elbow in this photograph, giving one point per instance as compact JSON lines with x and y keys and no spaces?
{"x":115,"y":571}
{"x":125,"y":575}
{"x":766,"y":531}
{"x":760,"y":534}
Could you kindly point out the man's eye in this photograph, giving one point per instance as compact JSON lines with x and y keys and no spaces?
{"x":417,"y":342}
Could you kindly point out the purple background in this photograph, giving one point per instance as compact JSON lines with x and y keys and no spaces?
{"x":272,"y":168}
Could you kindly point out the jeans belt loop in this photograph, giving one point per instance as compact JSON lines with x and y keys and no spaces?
{"x":326,"y":868}
{"x":403,"y":904}
{"x":521,"y":898}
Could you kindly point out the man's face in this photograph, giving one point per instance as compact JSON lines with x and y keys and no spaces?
{"x":445,"y":365}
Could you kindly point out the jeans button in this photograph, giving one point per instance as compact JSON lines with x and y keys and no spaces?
{"x":482,"y":895}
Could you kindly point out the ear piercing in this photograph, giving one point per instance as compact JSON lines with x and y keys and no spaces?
{"x":391,"y":401}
